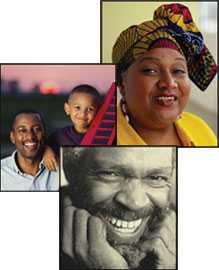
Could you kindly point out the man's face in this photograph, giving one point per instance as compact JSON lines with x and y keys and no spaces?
{"x":127,"y":188}
{"x":28,"y":135}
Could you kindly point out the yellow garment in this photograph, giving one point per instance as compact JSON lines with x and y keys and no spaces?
{"x":191,"y":129}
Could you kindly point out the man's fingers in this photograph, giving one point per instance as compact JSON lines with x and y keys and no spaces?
{"x":167,"y":260}
{"x":67,"y":240}
{"x":167,"y":232}
{"x":96,"y":230}
{"x":74,"y":230}
{"x":47,"y":165}
{"x":85,"y":241}
{"x":101,"y":255}
{"x":169,"y":239}
{"x":80,"y":233}
{"x":163,"y":242}
{"x":55,"y":164}
{"x":50,"y":165}
{"x":67,"y":201}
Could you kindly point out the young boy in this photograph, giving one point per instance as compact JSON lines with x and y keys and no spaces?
{"x":82,"y":106}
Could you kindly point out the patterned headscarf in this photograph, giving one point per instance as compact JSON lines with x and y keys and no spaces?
{"x":174,"y":24}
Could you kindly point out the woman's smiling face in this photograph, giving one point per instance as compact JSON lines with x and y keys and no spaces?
{"x":156,"y":88}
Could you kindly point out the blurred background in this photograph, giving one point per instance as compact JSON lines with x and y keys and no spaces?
{"x":118,"y":16}
{"x":45,"y":88}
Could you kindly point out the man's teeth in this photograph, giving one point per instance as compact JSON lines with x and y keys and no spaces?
{"x":30,"y":144}
{"x":123,"y":225}
{"x":166,"y":98}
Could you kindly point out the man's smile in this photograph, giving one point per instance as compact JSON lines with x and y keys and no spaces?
{"x":30,"y":145}
{"x":124,"y":226}
{"x":124,"y":231}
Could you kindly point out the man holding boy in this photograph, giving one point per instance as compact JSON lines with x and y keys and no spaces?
{"x":118,"y":209}
{"x":24,"y":169}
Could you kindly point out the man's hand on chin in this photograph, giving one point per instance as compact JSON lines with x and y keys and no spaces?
{"x":163,"y":242}
{"x":84,"y":240}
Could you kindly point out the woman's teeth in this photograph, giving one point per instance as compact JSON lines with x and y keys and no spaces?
{"x":166,"y":98}
{"x":123,"y":225}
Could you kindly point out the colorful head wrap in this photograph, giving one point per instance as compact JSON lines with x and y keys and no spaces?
{"x":174,"y":24}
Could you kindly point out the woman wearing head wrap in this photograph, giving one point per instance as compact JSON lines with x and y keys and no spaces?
{"x":155,"y":62}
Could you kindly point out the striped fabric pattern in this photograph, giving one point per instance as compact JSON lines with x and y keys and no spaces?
{"x":172,"y":22}
{"x":102,"y":130}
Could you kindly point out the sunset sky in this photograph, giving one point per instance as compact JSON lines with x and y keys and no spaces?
{"x":64,"y":76}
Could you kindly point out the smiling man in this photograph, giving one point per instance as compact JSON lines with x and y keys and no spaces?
{"x":118,"y":208}
{"x":24,"y":169}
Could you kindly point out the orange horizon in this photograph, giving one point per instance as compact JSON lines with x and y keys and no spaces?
{"x":64,"y":76}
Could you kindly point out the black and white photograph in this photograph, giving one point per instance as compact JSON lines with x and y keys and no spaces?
{"x":118,"y":208}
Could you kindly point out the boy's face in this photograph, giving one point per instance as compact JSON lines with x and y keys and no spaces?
{"x":81,"y":108}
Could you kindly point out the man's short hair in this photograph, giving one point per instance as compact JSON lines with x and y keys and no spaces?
{"x":28,"y":111}
{"x":73,"y":160}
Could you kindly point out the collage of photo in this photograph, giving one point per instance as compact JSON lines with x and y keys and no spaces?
{"x":105,"y":136}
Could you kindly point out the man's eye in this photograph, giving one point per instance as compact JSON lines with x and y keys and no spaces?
{"x":149,"y":71}
{"x":77,"y":108}
{"x":37,"y":129}
{"x":22,"y":130}
{"x":107,"y":173}
{"x":157,"y":180}
{"x":107,"y":176}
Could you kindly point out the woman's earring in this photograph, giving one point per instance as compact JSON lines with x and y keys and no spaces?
{"x":178,"y":117}
{"x":124,"y":109}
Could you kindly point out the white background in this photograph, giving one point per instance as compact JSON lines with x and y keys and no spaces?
{"x":198,"y":208}
{"x":67,"y":31}
{"x":51,"y":31}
